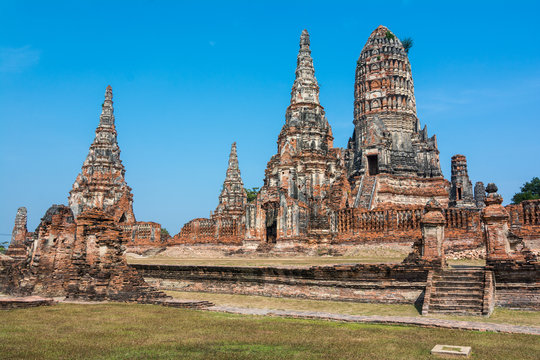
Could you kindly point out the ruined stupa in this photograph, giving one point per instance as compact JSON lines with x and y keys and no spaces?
{"x":78,"y":251}
{"x":101,"y":183}
{"x":390,"y":159}
{"x":299,"y":182}
{"x":233,"y":198}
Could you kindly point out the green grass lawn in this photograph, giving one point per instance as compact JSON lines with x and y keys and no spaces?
{"x":499,"y":316}
{"x":131,"y":331}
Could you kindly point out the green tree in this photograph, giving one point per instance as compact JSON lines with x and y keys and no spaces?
{"x":251,"y":193}
{"x":407,"y":44}
{"x":529,"y":191}
{"x":165,"y":234}
{"x":3,"y":247}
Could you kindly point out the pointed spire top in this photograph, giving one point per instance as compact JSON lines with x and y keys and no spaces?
{"x":304,"y":40}
{"x":108,"y":93}
{"x":233,"y":196}
{"x":305,"y":88}
{"x":233,"y":171}
{"x":107,"y":110}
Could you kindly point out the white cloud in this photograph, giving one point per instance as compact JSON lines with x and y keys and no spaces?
{"x":13,"y":60}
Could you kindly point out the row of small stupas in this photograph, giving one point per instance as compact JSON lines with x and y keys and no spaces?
{"x":313,"y":193}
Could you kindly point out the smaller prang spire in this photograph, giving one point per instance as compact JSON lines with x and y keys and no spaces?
{"x":107,"y":111}
{"x":101,"y":183}
{"x":233,"y":197}
{"x":305,"y":89}
{"x":233,"y":170}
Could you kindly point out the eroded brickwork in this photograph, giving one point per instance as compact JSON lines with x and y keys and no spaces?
{"x":461,"y":190}
{"x":233,"y":198}
{"x":101,"y":183}
{"x":78,"y":251}
{"x":17,"y":246}
{"x":306,"y":180}
{"x":225,"y":226}
{"x":387,"y":137}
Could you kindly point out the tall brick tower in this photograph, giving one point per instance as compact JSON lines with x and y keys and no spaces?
{"x":302,"y":176}
{"x":388,"y":154}
{"x":461,"y":190}
{"x":233,"y":198}
{"x":101,"y":183}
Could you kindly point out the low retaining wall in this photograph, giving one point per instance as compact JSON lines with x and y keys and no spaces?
{"x":516,"y":287}
{"x":358,"y":283}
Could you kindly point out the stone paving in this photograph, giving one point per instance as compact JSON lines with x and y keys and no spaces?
{"x":391,"y":320}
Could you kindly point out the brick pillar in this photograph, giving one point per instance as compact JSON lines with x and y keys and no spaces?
{"x":495,"y":218}
{"x":432,"y":224}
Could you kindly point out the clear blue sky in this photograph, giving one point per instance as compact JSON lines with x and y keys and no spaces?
{"x":189,"y":78}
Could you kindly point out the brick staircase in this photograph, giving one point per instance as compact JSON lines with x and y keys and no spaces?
{"x":366,"y":191}
{"x":465,"y":291}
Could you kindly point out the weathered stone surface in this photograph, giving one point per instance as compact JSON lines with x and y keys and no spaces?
{"x":226,"y":223}
{"x":17,"y":247}
{"x":78,"y":251}
{"x":501,"y":244}
{"x":306,"y":180}
{"x":461,"y":190}
{"x":8,"y":303}
{"x":387,"y":138}
{"x":101,"y":183}
{"x":359,"y":282}
{"x":233,"y":198}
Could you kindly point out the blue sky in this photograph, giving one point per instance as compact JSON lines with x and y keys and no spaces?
{"x":189,"y":78}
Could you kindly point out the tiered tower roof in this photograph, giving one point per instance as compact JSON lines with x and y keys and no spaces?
{"x":384,"y":82}
{"x":101,"y":183}
{"x":233,"y":197}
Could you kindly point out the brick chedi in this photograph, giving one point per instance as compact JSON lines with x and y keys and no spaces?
{"x":78,"y":251}
{"x":233,"y":198}
{"x":101,"y":183}
{"x":461,"y":190}
{"x":390,"y":158}
{"x":306,"y":178}
{"x":17,"y":246}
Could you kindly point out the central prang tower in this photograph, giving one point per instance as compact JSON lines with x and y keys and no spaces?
{"x":388,"y":153}
{"x":306,"y":180}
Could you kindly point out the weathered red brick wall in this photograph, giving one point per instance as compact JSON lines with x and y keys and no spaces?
{"x":220,"y":230}
{"x":516,"y":287}
{"x":143,"y":233}
{"x":359,"y":283}
{"x":402,"y":224}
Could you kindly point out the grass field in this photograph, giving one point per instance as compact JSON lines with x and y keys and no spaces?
{"x":131,"y":331}
{"x":499,"y":316}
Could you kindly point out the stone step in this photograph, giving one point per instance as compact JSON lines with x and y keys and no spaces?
{"x":475,"y":312}
{"x":453,"y":302}
{"x":458,"y":282}
{"x":457,"y":294}
{"x":459,"y":273}
{"x":455,"y":308}
{"x":459,"y":277}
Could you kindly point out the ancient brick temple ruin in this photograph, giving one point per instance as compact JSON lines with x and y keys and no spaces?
{"x":390,"y":158}
{"x":385,"y":187}
{"x":78,"y":251}
{"x":372,"y":192}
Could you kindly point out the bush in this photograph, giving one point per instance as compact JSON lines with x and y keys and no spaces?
{"x":407,"y":44}
{"x":251,"y":193}
{"x":529,"y":191}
